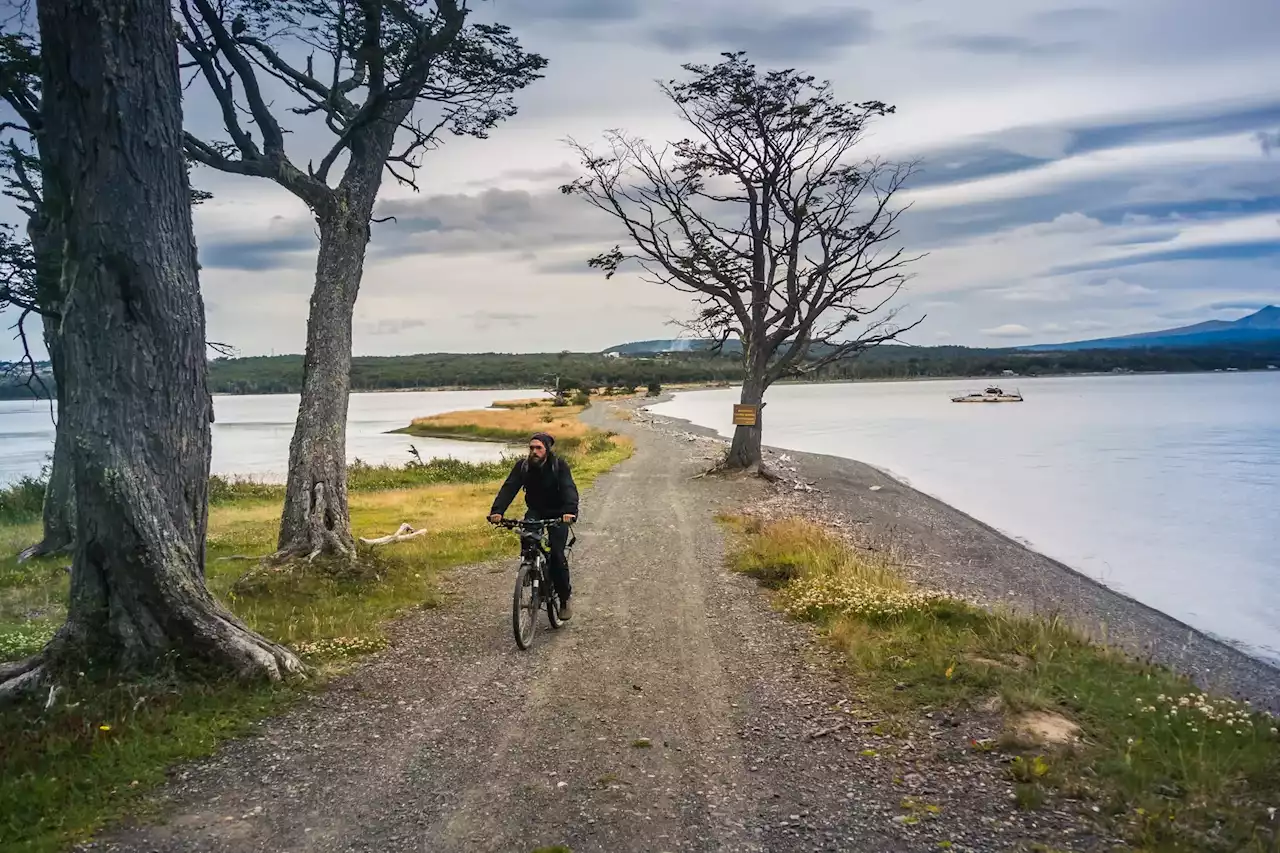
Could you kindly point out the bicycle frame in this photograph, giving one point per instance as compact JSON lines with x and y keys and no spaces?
{"x":535,"y":554}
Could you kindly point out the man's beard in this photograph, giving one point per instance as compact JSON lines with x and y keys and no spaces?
{"x":536,"y":460}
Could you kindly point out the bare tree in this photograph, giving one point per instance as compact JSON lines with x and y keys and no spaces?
{"x":381,"y":61}
{"x":132,"y":328}
{"x":32,"y":271}
{"x":786,"y":242}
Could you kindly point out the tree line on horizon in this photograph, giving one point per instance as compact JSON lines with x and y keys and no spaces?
{"x":282,"y":374}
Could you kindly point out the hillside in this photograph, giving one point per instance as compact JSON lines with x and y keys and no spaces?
{"x":1260,"y":327}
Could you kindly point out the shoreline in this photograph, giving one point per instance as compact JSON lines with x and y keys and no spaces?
{"x":949,"y":549}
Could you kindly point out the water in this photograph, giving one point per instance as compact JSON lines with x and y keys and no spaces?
{"x":251,"y":433}
{"x":1165,"y":488}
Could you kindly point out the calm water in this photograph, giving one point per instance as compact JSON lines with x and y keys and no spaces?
{"x":251,"y":435}
{"x":1166,"y":488}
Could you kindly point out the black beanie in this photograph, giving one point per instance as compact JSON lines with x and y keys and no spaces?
{"x":545,"y":438}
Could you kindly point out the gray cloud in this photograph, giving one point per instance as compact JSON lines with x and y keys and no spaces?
{"x":485,"y":320}
{"x":812,"y":36}
{"x":1242,"y":305}
{"x":391,"y":325}
{"x":992,"y":44}
{"x":494,"y":220}
{"x":1008,"y":330}
{"x":257,"y":255}
{"x":558,"y":175}
{"x":559,"y":11}
{"x":567,"y":266}
{"x":1070,"y":16}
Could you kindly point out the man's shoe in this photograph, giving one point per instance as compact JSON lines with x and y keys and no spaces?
{"x":566,"y":612}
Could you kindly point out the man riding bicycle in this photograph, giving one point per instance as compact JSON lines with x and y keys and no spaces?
{"x":550,"y":493}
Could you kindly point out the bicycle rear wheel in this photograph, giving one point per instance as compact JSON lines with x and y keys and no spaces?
{"x":525,"y":604}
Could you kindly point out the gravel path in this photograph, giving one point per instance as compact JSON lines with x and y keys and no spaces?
{"x":676,"y":712}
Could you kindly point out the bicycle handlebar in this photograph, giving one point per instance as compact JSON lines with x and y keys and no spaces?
{"x":512,"y":523}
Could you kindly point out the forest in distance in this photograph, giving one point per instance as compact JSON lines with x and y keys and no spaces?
{"x":282,"y":374}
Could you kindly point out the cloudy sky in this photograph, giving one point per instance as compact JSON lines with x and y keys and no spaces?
{"x":1087,"y":170}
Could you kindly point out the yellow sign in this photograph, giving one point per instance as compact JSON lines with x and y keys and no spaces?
{"x":745,"y":415}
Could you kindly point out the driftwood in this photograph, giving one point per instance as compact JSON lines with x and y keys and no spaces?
{"x":404,"y":532}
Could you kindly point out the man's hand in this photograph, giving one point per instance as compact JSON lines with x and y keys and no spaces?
{"x":495,"y":518}
{"x":569,"y":519}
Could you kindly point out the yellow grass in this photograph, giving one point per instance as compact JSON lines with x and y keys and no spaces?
{"x":506,"y":424}
{"x":523,"y":403}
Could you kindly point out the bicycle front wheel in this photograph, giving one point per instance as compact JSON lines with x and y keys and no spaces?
{"x":525,"y":604}
{"x":553,"y":609}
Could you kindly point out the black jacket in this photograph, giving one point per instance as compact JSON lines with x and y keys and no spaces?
{"x":549,"y":489}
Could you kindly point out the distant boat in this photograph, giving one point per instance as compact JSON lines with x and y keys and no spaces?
{"x":991,"y":394}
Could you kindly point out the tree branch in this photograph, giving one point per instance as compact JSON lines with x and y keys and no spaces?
{"x":761,"y":215}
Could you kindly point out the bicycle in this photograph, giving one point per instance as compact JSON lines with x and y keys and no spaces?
{"x":533,"y":578}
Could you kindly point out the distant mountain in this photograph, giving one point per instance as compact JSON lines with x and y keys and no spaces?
{"x":1259,"y":327}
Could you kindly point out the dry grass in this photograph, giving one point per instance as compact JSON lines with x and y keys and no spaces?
{"x":506,"y":424}
{"x":525,"y":403}
{"x":793,"y":549}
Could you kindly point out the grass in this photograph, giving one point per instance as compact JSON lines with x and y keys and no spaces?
{"x":1167,"y":766}
{"x":24,"y":500}
{"x":509,"y":424}
{"x":91,"y":758}
{"x":523,"y":403}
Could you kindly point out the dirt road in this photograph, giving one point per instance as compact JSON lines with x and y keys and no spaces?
{"x":676,"y":712}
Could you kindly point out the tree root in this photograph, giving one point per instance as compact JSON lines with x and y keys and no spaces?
{"x":764,"y":473}
{"x":41,"y":549}
{"x":252,"y":656}
{"x":757,"y":469}
{"x":21,"y":678}
{"x":224,"y":642}
{"x":404,"y":532}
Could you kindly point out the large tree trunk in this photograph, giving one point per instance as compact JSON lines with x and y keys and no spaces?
{"x":133,"y":333}
{"x":745,"y":452}
{"x":316,"y":518}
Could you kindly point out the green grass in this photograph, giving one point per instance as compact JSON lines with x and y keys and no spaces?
{"x":363,"y":477}
{"x":70,"y":769}
{"x":65,"y":776}
{"x":23,"y":501}
{"x":1169,"y":767}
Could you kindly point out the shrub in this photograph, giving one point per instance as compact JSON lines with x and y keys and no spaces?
{"x":23,"y":501}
